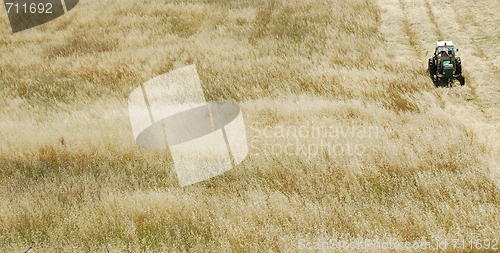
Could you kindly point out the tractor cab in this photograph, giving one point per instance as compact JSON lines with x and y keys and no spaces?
{"x":445,"y":58}
{"x":445,"y":49}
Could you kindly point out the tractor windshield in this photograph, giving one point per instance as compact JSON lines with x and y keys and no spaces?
{"x":446,"y":50}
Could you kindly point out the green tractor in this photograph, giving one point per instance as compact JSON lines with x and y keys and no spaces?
{"x":445,"y":66}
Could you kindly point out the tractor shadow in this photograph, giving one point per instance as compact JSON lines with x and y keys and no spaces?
{"x":446,"y":83}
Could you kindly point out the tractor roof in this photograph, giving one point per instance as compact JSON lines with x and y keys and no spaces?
{"x":444,"y":43}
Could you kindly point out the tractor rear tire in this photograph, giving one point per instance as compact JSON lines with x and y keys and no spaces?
{"x":461,"y":79}
{"x":458,"y":68}
{"x":432,"y":67}
{"x":432,"y":72}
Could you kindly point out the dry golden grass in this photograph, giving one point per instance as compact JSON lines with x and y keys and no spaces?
{"x":72,"y":180}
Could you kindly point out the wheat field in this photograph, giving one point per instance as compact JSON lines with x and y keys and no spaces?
{"x":348,"y":137}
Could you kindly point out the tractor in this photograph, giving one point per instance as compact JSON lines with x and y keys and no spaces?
{"x":445,"y":66}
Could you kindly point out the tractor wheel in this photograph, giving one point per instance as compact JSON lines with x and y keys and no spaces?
{"x":458,"y":69}
{"x":461,"y":79}
{"x":432,"y":67}
{"x":432,"y":72}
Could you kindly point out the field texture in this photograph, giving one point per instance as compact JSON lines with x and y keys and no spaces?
{"x":349,"y":138}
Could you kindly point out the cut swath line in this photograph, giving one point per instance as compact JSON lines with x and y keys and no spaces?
{"x":432,"y":17}
{"x":412,"y":37}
